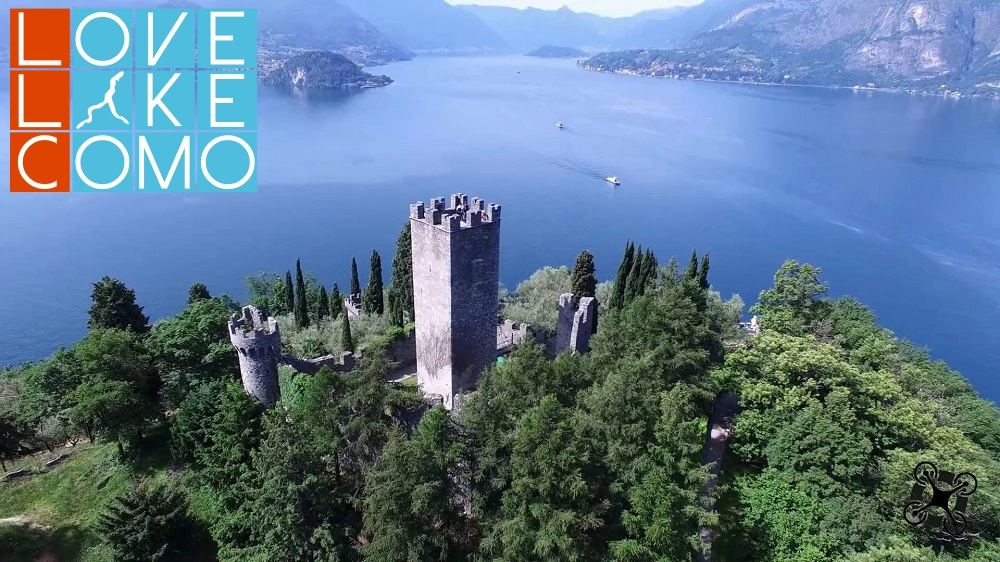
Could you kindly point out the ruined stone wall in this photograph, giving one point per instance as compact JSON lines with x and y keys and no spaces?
{"x":575,"y":324}
{"x":258,"y":345}
{"x":456,"y":276}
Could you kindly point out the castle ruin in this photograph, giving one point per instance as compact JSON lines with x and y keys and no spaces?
{"x":575,"y":323}
{"x":258,"y":344}
{"x":456,"y":281}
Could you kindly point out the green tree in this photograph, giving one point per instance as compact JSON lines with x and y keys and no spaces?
{"x":336,"y":302}
{"x":346,"y":341}
{"x":556,"y":503}
{"x":620,"y":290}
{"x":703,"y":273}
{"x":297,"y":511}
{"x":12,"y":436}
{"x":355,"y":281}
{"x":197,"y":292}
{"x":193,"y":347}
{"x":692,"y":269}
{"x":795,"y":304}
{"x":373,"y":299}
{"x":114,"y":306}
{"x":290,"y":296}
{"x":395,"y":308}
{"x":112,"y":407}
{"x":408,"y":513}
{"x":148,"y":523}
{"x":301,"y":298}
{"x":584,"y":276}
{"x":663,"y":516}
{"x":402,"y":271}
{"x":324,"y":304}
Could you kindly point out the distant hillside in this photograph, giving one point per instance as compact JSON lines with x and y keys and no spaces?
{"x":322,"y":70}
{"x":328,"y":26}
{"x":553,"y":52}
{"x":429,"y":26}
{"x":657,"y":29}
{"x":531,"y":28}
{"x":891,"y":43}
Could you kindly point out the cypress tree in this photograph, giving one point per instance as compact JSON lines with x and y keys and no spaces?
{"x":692,"y":269}
{"x":621,"y":278}
{"x":301,"y":302}
{"x":289,"y":292}
{"x":373,"y":302}
{"x":636,"y":277}
{"x":650,"y":272}
{"x":673,"y":270}
{"x":336,"y":301}
{"x":355,"y":282}
{"x":584,"y":277}
{"x":395,"y":308}
{"x":402,"y":271}
{"x":703,"y":272}
{"x":324,"y":304}
{"x":345,"y":335}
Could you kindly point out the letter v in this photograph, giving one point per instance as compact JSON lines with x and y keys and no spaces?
{"x":163,"y":46}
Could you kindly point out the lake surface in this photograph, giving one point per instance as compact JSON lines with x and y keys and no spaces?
{"x":895,"y":197}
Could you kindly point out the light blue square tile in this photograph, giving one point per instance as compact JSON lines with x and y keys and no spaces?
{"x":101,"y":100}
{"x":235,"y":100}
{"x":164,"y":100}
{"x":172,"y":32}
{"x":227,"y":162}
{"x":102,"y":162}
{"x":235,"y":34}
{"x":101,"y":38}
{"x":165,"y":162}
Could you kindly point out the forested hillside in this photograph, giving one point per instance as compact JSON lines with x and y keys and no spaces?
{"x":580,"y":458}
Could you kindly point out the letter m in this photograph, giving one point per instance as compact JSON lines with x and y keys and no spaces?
{"x":145,"y":152}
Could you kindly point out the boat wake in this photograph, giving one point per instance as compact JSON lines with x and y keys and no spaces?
{"x":577,"y":168}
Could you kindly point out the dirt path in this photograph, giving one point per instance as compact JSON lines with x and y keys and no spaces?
{"x":720,"y":428}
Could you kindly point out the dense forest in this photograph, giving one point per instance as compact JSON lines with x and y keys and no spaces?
{"x":579,"y":458}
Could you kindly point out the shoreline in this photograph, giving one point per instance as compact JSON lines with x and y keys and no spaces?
{"x":898,"y":91}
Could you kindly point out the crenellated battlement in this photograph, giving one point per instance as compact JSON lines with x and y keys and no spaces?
{"x":459,"y":213}
{"x":257,"y":340}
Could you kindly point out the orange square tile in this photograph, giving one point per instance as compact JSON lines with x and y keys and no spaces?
{"x":39,"y":99}
{"x":40,"y":38}
{"x":40,"y":162}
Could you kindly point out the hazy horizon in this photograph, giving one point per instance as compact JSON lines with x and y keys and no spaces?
{"x":611,"y":8}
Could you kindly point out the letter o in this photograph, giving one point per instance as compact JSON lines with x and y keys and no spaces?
{"x":79,"y":38}
{"x":79,"y":156}
{"x":204,"y":162}
{"x":20,"y":162}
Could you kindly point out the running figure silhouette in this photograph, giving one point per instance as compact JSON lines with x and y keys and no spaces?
{"x":109,"y":100}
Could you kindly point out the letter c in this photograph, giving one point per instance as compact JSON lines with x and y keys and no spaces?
{"x":20,"y":162}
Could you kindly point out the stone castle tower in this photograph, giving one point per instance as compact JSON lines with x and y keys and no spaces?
{"x":258,"y":344}
{"x":456,"y":281}
{"x":575,"y":323}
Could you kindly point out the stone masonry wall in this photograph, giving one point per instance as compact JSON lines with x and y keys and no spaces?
{"x":456,"y":275}
{"x":575,"y":324}
{"x":258,"y":344}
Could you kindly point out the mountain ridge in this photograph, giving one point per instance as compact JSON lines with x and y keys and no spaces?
{"x":916,"y":45}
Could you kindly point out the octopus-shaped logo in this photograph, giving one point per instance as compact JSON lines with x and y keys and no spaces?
{"x":949,"y":492}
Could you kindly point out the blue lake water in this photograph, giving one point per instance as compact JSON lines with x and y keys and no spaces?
{"x":895,"y":197}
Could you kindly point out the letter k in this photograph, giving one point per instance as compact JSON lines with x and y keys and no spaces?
{"x":158,"y":100}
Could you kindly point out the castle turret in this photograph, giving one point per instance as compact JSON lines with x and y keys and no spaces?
{"x":456,"y":281}
{"x":258,"y":344}
{"x":575,"y":323}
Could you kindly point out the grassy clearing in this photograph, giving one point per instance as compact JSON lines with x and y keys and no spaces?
{"x":48,"y":516}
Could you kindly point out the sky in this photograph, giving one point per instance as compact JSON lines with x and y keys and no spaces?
{"x":613,"y":8}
